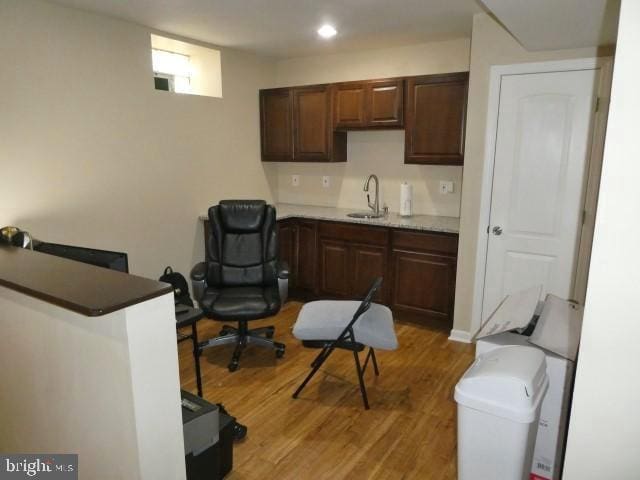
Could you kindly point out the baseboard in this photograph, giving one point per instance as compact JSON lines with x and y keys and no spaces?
{"x":460,"y":336}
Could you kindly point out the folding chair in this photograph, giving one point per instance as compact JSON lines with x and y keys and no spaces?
{"x":348,"y":325}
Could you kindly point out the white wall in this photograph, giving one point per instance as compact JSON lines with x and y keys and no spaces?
{"x":379,"y":152}
{"x":92,"y":155}
{"x":491,"y":45}
{"x":604,"y":428}
{"x":95,"y":386}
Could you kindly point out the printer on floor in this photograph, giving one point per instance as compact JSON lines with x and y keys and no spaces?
{"x":208,"y":438}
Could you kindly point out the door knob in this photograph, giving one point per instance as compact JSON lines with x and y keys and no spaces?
{"x":497,"y":230}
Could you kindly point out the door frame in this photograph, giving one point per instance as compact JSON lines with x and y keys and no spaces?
{"x":592,"y":177}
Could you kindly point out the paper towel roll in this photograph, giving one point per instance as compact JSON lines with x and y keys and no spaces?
{"x":406,"y":199}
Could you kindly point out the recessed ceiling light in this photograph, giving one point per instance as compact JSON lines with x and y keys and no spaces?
{"x":327,"y":31}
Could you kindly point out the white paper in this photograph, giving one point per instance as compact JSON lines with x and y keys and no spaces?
{"x":559,"y":326}
{"x":515,"y":312}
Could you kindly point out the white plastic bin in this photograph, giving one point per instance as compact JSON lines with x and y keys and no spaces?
{"x":499,"y":400}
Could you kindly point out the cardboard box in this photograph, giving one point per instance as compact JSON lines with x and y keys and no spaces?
{"x":557,"y":324}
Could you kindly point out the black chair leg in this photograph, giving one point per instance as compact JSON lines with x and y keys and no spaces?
{"x":196,"y":356}
{"x":235,"y":359}
{"x":363,"y":389}
{"x":319,"y":356}
{"x":371,"y":354}
{"x":374,"y":361}
{"x":317,"y":363}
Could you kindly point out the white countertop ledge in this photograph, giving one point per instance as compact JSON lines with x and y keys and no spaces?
{"x":428,"y":223}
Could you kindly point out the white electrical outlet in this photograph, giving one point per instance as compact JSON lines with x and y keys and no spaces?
{"x":326,"y":181}
{"x":446,"y":187}
{"x":295,"y":180}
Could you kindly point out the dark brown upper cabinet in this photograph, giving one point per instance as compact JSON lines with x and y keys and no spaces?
{"x":435,"y":109}
{"x":309,"y":124}
{"x":385,"y":103}
{"x":276,"y":125}
{"x":368,"y":104}
{"x":349,"y":103}
{"x":296,"y":126}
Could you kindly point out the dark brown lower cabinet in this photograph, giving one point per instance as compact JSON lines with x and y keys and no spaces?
{"x":351,"y":258}
{"x":423,"y":283}
{"x":307,"y":261}
{"x":423,"y":266}
{"x":368,"y":263}
{"x":297,"y":245}
{"x":348,"y":270}
{"x":334,"y":268}
{"x":288,"y":248}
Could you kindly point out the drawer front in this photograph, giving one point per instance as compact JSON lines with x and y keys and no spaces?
{"x":428,"y":242}
{"x":354,"y":233}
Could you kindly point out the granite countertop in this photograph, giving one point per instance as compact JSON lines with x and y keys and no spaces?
{"x":430,"y":223}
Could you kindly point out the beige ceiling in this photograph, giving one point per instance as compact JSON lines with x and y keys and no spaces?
{"x":286,"y":28}
{"x":557,"y":24}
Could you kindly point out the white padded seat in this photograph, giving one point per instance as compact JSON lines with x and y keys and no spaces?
{"x":326,"y":319}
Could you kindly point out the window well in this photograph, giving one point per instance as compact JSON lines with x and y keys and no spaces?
{"x":182,"y":67}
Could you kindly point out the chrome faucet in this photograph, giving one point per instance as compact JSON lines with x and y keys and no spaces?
{"x":375,"y":206}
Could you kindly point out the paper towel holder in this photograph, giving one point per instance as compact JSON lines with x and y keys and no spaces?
{"x":406,"y":199}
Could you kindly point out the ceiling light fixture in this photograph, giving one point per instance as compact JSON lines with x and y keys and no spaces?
{"x":327,"y":31}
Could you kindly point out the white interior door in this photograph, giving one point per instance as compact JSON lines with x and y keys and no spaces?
{"x":542,"y":150}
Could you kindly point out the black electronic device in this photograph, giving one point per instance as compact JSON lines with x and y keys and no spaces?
{"x":100,"y":258}
{"x":209,"y":436}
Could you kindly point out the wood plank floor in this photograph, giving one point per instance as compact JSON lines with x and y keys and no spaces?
{"x":409,"y":433}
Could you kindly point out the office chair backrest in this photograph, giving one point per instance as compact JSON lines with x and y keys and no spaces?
{"x":242,"y":249}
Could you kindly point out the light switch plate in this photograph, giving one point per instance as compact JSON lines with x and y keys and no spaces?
{"x":326,"y":181}
{"x":295,"y":180}
{"x":446,"y":187}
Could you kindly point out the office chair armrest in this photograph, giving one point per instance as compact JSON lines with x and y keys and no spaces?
{"x":199,"y":272}
{"x":199,"y":280}
{"x":283,"y":270}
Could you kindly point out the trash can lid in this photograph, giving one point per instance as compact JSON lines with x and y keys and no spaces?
{"x":508,"y":382}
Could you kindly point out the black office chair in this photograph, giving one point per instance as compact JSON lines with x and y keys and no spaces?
{"x":239,"y":279}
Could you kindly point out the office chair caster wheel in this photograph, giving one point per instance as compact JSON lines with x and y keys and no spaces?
{"x":279,"y":352}
{"x":239,"y":431}
{"x":233,"y":366}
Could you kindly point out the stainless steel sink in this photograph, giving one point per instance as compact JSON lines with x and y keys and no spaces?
{"x":365,"y":215}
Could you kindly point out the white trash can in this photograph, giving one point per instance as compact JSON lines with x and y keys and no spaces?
{"x":499,"y":400}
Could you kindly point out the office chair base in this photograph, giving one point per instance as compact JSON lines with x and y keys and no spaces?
{"x":241,"y":337}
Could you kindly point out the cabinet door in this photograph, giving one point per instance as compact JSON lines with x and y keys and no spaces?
{"x":276,"y":125}
{"x":385,"y":103}
{"x":287,"y":248}
{"x":311,"y":120}
{"x":307,"y":255}
{"x":349,"y":105}
{"x":435,"y":117}
{"x":334,"y":269}
{"x":368,"y":263}
{"x":424,"y":283}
